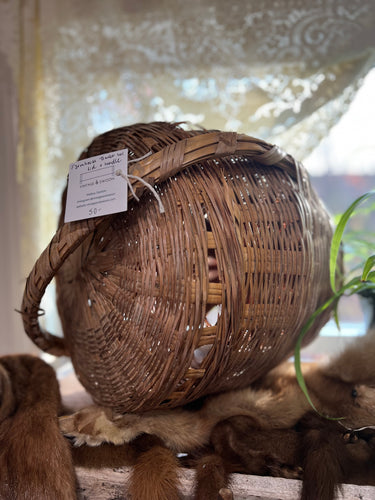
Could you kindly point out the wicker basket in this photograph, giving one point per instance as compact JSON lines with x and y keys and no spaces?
{"x":133,"y":288}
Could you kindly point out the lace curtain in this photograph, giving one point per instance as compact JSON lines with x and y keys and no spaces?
{"x":281,"y":70}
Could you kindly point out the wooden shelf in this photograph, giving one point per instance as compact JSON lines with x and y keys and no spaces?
{"x":107,"y":484}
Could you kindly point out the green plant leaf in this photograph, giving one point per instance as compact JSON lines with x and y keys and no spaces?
{"x":355,"y":285}
{"x":368,"y":209}
{"x":297,"y":350}
{"x":337,"y":237}
{"x":300,"y":377}
{"x":336,"y":316}
{"x":370,"y":263}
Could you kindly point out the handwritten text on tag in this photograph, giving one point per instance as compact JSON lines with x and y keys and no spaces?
{"x":94,"y":189}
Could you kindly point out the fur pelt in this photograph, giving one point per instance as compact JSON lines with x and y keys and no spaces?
{"x":35,"y":459}
{"x":275,"y":402}
{"x":266,"y":428}
{"x":319,"y":451}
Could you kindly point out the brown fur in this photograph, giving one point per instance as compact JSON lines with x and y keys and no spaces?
{"x":105,"y":455}
{"x":35,"y":460}
{"x":318,"y":450}
{"x":246,"y":447}
{"x":150,"y":459}
{"x":264,"y":428}
{"x":160,"y":466}
{"x":275,"y":402}
{"x":329,"y":457}
{"x":211,"y":477}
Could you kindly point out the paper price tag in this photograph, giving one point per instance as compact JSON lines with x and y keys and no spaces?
{"x":94,"y":189}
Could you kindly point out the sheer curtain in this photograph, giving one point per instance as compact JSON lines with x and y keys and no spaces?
{"x":281,"y":70}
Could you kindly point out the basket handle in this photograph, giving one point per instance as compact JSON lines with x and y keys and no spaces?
{"x":67,"y":238}
{"x":179,"y":155}
{"x":156,"y":168}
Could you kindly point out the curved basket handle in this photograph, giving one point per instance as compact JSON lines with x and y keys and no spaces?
{"x":175,"y":157}
{"x":156,"y":168}
{"x":68,"y":237}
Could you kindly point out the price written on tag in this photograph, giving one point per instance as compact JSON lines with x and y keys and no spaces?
{"x":94,"y":189}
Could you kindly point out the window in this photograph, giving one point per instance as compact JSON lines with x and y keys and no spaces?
{"x":342,"y":169}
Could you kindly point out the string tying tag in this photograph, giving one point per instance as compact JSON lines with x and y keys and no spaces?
{"x":140,"y":158}
{"x":127,"y":177}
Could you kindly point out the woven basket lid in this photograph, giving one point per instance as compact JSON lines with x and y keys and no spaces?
{"x":144,"y":324}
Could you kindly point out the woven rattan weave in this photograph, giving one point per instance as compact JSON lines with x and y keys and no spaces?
{"x":133,"y":288}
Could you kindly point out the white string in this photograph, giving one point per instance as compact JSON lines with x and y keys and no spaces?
{"x":141,"y":157}
{"x":153,"y":191}
{"x":359,"y":429}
